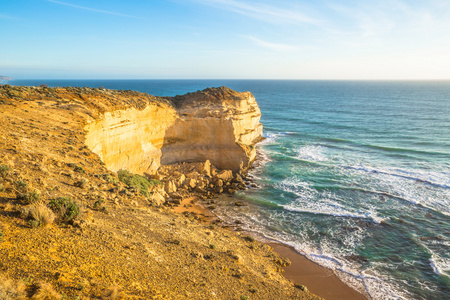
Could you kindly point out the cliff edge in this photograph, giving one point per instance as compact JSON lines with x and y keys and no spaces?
{"x":70,"y":228}
{"x":216,"y":124}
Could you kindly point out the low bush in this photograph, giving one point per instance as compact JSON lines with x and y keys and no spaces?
{"x":11,"y":290}
{"x":45,"y":291}
{"x":29,"y":197}
{"x":77,"y":168}
{"x":137,"y":181}
{"x":65,"y":209}
{"x":109,"y":178}
{"x":21,"y":185}
{"x":38,"y":215}
{"x":4,"y":170}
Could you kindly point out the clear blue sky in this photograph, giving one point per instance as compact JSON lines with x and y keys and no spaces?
{"x":283,"y":39}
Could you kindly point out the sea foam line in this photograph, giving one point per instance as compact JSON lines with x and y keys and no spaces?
{"x":406,"y":175}
{"x":312,"y":153}
{"x":307,"y":202}
{"x":374,"y":286}
{"x":367,"y":215}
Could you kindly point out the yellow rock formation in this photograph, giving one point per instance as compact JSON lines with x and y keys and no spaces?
{"x":219,"y":125}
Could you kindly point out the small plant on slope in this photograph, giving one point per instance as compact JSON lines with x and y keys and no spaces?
{"x":65,"y":208}
{"x":137,"y":181}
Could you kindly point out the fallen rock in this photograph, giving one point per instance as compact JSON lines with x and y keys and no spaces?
{"x":158,"y":199}
{"x":170,"y":187}
{"x":238,"y":178}
{"x":207,"y":168}
{"x":225,"y":175}
{"x":192,"y":183}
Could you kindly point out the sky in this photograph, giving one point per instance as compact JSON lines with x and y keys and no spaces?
{"x":225,"y":39}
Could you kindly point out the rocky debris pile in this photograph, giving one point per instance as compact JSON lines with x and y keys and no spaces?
{"x":198,"y":179}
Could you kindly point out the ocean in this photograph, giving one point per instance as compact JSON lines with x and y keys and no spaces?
{"x":355,"y":175}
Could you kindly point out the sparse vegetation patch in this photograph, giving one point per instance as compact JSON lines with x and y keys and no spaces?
{"x":137,"y":181}
{"x":4,"y":170}
{"x":38,"y":215}
{"x":65,"y":209}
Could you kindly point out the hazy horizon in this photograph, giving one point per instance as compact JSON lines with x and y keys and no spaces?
{"x":225,"y":39}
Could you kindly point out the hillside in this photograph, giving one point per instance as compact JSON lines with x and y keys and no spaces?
{"x":68,"y":221}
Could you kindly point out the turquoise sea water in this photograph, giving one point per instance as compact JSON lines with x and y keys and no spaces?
{"x":354,"y":174}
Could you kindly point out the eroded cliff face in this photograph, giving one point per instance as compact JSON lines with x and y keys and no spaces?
{"x":216,"y":124}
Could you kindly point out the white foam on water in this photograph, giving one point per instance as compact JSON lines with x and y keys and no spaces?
{"x":314,"y":153}
{"x":310,"y":201}
{"x":439,"y":264}
{"x":433,"y":195}
{"x":272,"y":137}
{"x":438,"y":179}
{"x":328,"y":255}
{"x":367,"y":281}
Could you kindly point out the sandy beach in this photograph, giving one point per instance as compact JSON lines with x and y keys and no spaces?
{"x":302,"y":271}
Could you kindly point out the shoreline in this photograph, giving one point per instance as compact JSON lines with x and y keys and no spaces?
{"x":319,"y":280}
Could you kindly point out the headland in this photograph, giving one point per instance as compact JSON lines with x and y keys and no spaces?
{"x":90,"y":184}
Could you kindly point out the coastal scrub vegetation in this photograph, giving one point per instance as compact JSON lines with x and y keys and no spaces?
{"x":11,"y":290}
{"x":4,"y":170}
{"x":38,"y":215}
{"x":65,"y":209}
{"x":18,"y":290}
{"x":29,"y":197}
{"x":139,"y":182}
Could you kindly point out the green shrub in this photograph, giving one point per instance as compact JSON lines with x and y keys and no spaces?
{"x":137,"y":181}
{"x":21,"y":185}
{"x":109,"y":178}
{"x":77,"y":168}
{"x":65,"y":208}
{"x":4,"y":170}
{"x":2,"y":188}
{"x":30,"y":197}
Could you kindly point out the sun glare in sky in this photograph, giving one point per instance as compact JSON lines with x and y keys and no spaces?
{"x":239,"y":39}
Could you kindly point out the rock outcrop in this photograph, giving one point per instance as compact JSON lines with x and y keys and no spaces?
{"x":216,"y":124}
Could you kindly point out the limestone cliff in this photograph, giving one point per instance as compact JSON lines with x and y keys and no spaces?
{"x":216,"y":124}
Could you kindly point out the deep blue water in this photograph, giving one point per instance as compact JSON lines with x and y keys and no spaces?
{"x":353,"y":174}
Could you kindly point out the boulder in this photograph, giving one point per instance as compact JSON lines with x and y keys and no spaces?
{"x":170,"y":187}
{"x":176,"y":196}
{"x":192,"y":183}
{"x":207,"y":168}
{"x":238,"y":178}
{"x":181,"y":180}
{"x":159,"y":176}
{"x":157,"y":199}
{"x":225,"y":175}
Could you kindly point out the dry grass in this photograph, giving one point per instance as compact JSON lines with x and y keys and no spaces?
{"x":8,"y":206}
{"x":113,"y":293}
{"x":11,"y":290}
{"x":45,"y":291}
{"x":38,"y":214}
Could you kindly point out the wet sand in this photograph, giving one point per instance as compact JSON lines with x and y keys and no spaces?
{"x":319,"y":280}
